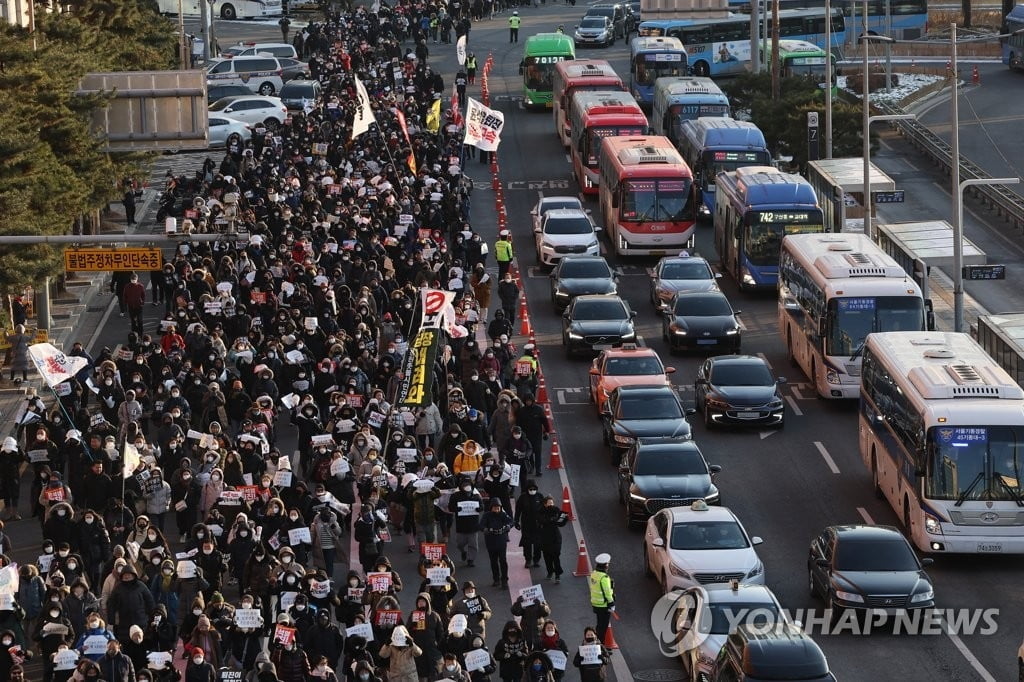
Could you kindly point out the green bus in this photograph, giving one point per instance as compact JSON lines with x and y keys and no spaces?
{"x":542,"y":52}
{"x":804,"y":58}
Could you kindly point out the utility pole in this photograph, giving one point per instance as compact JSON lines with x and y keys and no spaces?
{"x":776,"y":67}
{"x":183,"y":51}
{"x":204,"y":27}
{"x":755,"y":37}
{"x":829,"y":70}
{"x":888,"y":46}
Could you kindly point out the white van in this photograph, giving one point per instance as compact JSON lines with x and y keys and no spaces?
{"x":252,"y":49}
{"x":261,"y":74}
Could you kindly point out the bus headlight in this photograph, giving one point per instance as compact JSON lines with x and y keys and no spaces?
{"x":831,"y":376}
{"x":747,"y":278}
{"x":932,"y":525}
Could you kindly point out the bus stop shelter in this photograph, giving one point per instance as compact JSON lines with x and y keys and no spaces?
{"x":839,"y":184}
{"x":1002,"y":337}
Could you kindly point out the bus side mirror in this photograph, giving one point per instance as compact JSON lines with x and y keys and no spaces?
{"x":929,"y":314}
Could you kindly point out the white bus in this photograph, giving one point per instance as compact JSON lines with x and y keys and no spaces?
{"x":942,"y":432}
{"x":834,"y":290}
{"x":225,"y":9}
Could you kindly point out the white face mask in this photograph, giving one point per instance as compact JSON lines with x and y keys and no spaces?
{"x":549,"y":633}
{"x":151,"y":536}
{"x":470,"y":594}
{"x":293,"y":517}
{"x":198,"y":660}
{"x":54,"y":614}
{"x":72,"y":565}
{"x":286,"y":559}
{"x":197,"y":612}
{"x":63,"y":553}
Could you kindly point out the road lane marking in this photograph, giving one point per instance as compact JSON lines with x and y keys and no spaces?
{"x":864,"y":515}
{"x":762,"y":356}
{"x":971,"y":658}
{"x":793,"y":406}
{"x":797,"y":394}
{"x":827,"y":457}
{"x":567,"y":159}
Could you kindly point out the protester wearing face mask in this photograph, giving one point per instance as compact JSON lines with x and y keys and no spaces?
{"x":467,"y":505}
{"x":198,"y":668}
{"x":527,"y":519}
{"x":400,"y":654}
{"x":95,"y":632}
{"x":592,"y":672}
{"x":211,"y":491}
{"x":474,"y":607}
{"x":185,"y":496}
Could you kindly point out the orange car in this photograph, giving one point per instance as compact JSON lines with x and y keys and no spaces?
{"x":627,"y":365}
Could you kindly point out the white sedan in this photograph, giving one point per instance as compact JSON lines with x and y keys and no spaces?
{"x":256,"y":110}
{"x":547,"y":203}
{"x":700,"y":545}
{"x":224,"y":129}
{"x":565,"y":231}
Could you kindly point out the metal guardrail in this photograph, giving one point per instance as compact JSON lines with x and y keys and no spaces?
{"x":1004,"y":202}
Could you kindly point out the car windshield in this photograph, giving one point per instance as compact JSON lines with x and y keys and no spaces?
{"x":221,"y":104}
{"x":597,"y":309}
{"x":592,"y":22}
{"x":702,"y":306}
{"x":297,"y":90}
{"x":741,"y":374}
{"x":590,"y":269}
{"x":662,"y":462}
{"x":620,"y":367}
{"x":727,"y":615}
{"x":683,"y":270}
{"x":875,"y":555}
{"x":700,"y":535}
{"x":650,"y":407}
{"x":552,"y":204}
{"x":578,"y":225}
{"x":601,"y":12}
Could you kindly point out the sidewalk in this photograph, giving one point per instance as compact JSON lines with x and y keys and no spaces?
{"x":940,"y":290}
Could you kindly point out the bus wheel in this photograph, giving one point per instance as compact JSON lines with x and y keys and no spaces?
{"x":906,"y":515}
{"x":701,"y":69}
{"x":789,"y":347}
{"x":227,"y":11}
{"x":874,"y":475}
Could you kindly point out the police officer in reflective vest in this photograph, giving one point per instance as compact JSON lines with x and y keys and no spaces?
{"x":513,"y":27}
{"x":503,"y":252}
{"x":602,"y":594}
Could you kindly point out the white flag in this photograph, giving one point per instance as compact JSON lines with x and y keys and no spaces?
{"x":483,"y":126}
{"x":364,"y":112}
{"x":460,"y":50}
{"x":53,"y":364}
{"x":131,"y":460}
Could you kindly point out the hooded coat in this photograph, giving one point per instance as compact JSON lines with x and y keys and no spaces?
{"x":428,"y":633}
{"x":401,"y":659}
{"x":129,"y":604}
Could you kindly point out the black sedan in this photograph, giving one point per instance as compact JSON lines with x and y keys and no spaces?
{"x":633,"y":412}
{"x":660,"y":473}
{"x":739,"y":389}
{"x":868,"y":568}
{"x":579,"y":275}
{"x":701,"y":321}
{"x":595,"y":323}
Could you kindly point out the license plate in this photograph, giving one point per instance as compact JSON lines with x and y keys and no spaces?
{"x":990,"y":547}
{"x":658,"y":253}
{"x":749,"y":415}
{"x":602,"y":346}
{"x":706,"y":342}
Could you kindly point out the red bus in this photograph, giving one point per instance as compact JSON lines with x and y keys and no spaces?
{"x":575,"y":76}
{"x":647,"y":198}
{"x":595,"y":115}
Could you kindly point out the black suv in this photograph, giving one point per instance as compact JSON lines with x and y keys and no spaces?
{"x":783,"y":652}
{"x":633,"y":412}
{"x":617,"y":14}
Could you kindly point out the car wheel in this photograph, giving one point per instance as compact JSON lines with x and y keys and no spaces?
{"x":906,"y":516}
{"x":834,"y":611}
{"x":647,"y":564}
{"x":267,"y":89}
{"x":701,"y":69}
{"x":604,"y":432}
{"x":1020,"y":669}
{"x":631,"y":523}
{"x":272,"y":124}
{"x":227,"y":11}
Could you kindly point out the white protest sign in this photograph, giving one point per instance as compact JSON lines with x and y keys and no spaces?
{"x":298,"y":535}
{"x":287,"y":599}
{"x":469,"y":508}
{"x":322,"y":439}
{"x":406,"y":454}
{"x":65,"y":659}
{"x":94,"y":645}
{"x":514,"y":470}
{"x":438,"y":575}
{"x":557,"y":658}
{"x":319,"y":589}
{"x":186,"y":569}
{"x":477,"y":659}
{"x":590,"y":654}
{"x":483,"y":126}
{"x":364,"y":630}
{"x":248,"y":618}
{"x":532,"y":594}
{"x":340,"y":467}
{"x":290,"y":401}
{"x":283,"y":478}
{"x":158,"y":660}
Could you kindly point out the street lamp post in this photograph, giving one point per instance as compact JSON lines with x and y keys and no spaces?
{"x":828,"y":71}
{"x":958,"y":244}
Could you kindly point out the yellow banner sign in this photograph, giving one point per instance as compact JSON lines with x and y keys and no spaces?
{"x":108,"y":260}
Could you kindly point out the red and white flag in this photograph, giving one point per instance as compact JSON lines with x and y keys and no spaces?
{"x":53,"y":364}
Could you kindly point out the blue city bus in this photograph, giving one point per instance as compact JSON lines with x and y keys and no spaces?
{"x":755,"y":208}
{"x":909,"y":18}
{"x":1013,"y":47}
{"x":715,"y":145}
{"x":652,"y":58}
{"x":721,"y":47}
{"x":685,"y":98}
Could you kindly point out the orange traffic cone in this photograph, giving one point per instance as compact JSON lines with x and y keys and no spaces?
{"x":582,"y":562}
{"x":542,"y":391}
{"x":567,"y":503}
{"x":524,"y":323}
{"x":609,"y":638}
{"x":555,"y":462}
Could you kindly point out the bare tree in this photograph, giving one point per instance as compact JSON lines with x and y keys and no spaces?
{"x":965,"y":6}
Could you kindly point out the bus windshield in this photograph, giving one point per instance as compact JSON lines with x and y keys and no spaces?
{"x":650,"y":67}
{"x":539,"y":72}
{"x":593,"y":140}
{"x":851,"y":319}
{"x":649,"y":200}
{"x":762,"y":236}
{"x":975,"y":463}
{"x":813,"y":67}
{"x":716,"y":162}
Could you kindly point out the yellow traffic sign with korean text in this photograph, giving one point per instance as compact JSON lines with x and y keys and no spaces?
{"x":109,"y":260}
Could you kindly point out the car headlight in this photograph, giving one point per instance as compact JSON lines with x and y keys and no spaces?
{"x":732,"y":332}
{"x":717,"y":404}
{"x":637,"y":498}
{"x":775,"y":404}
{"x":593,"y":245}
{"x":629,"y":336}
{"x":663,"y":293}
{"x":712,"y":497}
{"x":747,"y":278}
{"x":923,"y":596}
{"x":546,"y":245}
{"x":932,"y":525}
{"x":623,"y":440}
{"x":678,"y":572}
{"x":561,"y":294}
{"x":756,"y":570}
{"x":678,"y":331}
{"x":574,"y":336}
{"x":831,"y":376}
{"x":849,"y":596}
{"x":704,"y":210}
